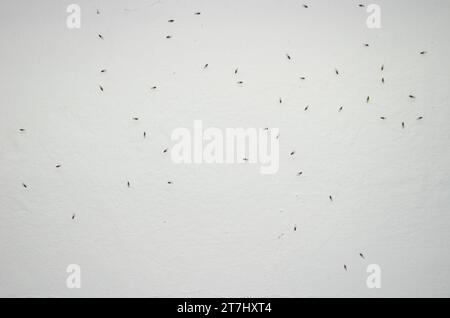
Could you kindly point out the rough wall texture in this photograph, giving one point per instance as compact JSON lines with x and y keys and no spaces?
{"x":224,"y":230}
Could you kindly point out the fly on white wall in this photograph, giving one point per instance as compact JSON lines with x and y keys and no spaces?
{"x":250,"y":148}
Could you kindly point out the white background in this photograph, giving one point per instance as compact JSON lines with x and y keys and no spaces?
{"x":224,"y":230}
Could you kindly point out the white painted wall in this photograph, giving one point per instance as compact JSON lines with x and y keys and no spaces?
{"x":216,"y":230}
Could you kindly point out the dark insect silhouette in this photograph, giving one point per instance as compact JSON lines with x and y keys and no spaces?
{"x":73,"y":216}
{"x":236,"y":71}
{"x":168,"y":37}
{"x":103,"y":71}
{"x":331,"y":198}
{"x":345,"y":267}
{"x":305,"y":6}
{"x":135,"y":118}
{"x":206,"y":66}
{"x":154,"y":87}
{"x":302,"y":78}
{"x":240,"y":82}
{"x":101,"y":37}
{"x":382,"y":67}
{"x":337,"y":71}
{"x":300,"y":173}
{"x":101,"y":88}
{"x":306,"y":108}
{"x":197,"y":13}
{"x":340,"y":109}
{"x":382,"y":80}
{"x":361,"y":5}
{"x":423,"y":52}
{"x":366,"y":45}
{"x":368,"y":99}
{"x":169,"y":182}
{"x":98,"y":11}
{"x":412,"y":96}
{"x":295,"y":228}
{"x":281,"y":101}
{"x":171,"y":21}
{"x":58,"y":166}
{"x":145,"y":134}
{"x":403,"y":125}
{"x":382,"y":118}
{"x":24,"y":185}
{"x":22,"y":130}
{"x":288,"y":56}
{"x":128,"y":184}
{"x":165,"y":150}
{"x":419,"y":118}
{"x":362,"y":255}
{"x":293,"y":153}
